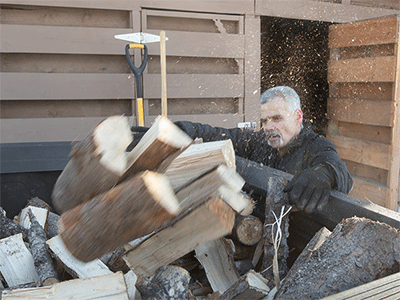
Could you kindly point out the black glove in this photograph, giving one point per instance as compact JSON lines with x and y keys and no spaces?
{"x":137,"y":133}
{"x":310,"y":188}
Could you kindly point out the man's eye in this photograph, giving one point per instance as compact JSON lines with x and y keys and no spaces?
{"x":276,"y":118}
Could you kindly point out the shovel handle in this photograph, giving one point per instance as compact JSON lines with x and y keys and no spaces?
{"x":138,"y":71}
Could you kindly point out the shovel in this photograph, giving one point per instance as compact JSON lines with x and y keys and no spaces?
{"x":139,"y":39}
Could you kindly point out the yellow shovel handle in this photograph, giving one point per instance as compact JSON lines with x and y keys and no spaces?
{"x":140,"y":112}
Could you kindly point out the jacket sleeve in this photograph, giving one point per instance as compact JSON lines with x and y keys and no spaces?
{"x":323,"y":152}
{"x":244,"y":140}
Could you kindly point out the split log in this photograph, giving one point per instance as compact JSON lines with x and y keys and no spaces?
{"x":17,"y":266}
{"x":210,"y":221}
{"x":130,"y":210}
{"x":110,"y":286}
{"x":248,"y":230}
{"x":276,"y":203}
{"x":96,"y":165}
{"x":252,"y":285}
{"x":9,"y":228}
{"x":51,"y":227}
{"x":160,"y":145}
{"x":168,"y":282}
{"x":72,"y":265}
{"x":42,"y":260}
{"x":130,"y":281}
{"x":358,"y":251}
{"x":198,"y":159}
{"x":39,"y":213}
{"x":217,"y":259}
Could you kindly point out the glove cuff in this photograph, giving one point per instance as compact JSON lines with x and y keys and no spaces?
{"x":326,"y":172}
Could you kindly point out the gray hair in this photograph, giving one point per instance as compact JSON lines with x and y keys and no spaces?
{"x":288,"y":94}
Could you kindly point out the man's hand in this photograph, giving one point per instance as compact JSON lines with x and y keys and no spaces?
{"x":310,"y":189}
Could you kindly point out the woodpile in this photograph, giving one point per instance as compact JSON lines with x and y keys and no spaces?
{"x":169,"y":220}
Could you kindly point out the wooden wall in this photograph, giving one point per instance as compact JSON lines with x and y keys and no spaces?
{"x":363,"y":107}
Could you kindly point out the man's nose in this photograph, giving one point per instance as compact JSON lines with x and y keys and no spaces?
{"x":269,"y":126}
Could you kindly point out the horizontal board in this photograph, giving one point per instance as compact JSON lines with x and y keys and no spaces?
{"x":369,"y":191}
{"x":199,"y":44}
{"x":364,"y":152}
{"x":362,"y":90}
{"x":360,"y":111}
{"x":370,"y":32}
{"x":318,"y":10}
{"x":47,"y":129}
{"x":392,"y":4}
{"x":371,"y":69}
{"x":195,"y":85}
{"x":372,"y":133}
{"x":377,"y":175}
{"x":53,"y":86}
{"x":60,"y":39}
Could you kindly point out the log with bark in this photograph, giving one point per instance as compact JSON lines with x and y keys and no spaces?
{"x":97,"y":163}
{"x":9,"y":228}
{"x":358,"y":251}
{"x":247,"y":230}
{"x":130,"y":210}
{"x":42,"y":260}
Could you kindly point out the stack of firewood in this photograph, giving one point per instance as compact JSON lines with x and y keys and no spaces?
{"x":168,"y":220}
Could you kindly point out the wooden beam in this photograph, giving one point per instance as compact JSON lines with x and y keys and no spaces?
{"x":339,"y":207}
{"x":369,"y":191}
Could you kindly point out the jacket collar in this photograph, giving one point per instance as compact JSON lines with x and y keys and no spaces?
{"x":298,"y":140}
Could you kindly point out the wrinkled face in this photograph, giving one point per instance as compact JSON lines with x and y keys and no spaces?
{"x":280,"y":123}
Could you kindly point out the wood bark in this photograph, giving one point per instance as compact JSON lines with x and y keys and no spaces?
{"x":42,"y":260}
{"x":110,"y":286}
{"x":248,"y":230}
{"x":358,"y":251}
{"x":9,"y":228}
{"x":209,"y":221}
{"x":130,"y":210}
{"x":217,"y":259}
{"x":96,"y":165}
{"x":161,"y":144}
{"x":275,"y":201}
{"x":252,"y":285}
{"x":51,"y":227}
{"x":168,"y":282}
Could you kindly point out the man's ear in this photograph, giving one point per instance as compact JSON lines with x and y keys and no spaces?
{"x":299,"y":115}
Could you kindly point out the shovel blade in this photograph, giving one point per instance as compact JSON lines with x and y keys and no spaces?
{"x":139,"y":38}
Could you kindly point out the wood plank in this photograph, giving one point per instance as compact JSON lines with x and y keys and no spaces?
{"x":66,"y":86}
{"x":208,"y":222}
{"x":394,"y":152}
{"x":195,"y":85}
{"x":200,"y":44}
{"x":61,"y":39}
{"x":339,"y":207}
{"x":17,"y":266}
{"x":364,"y":152}
{"x":110,"y":286}
{"x":75,"y":267}
{"x":369,"y":191}
{"x":385,"y":288}
{"x":367,"y":172}
{"x":319,"y":11}
{"x":363,"y":90}
{"x":391,"y":4}
{"x":370,"y":32}
{"x":360,"y":111}
{"x":377,"y":134}
{"x":371,"y":69}
{"x":47,"y":129}
{"x":117,"y":4}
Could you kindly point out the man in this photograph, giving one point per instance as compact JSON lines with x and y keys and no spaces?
{"x":288,"y":143}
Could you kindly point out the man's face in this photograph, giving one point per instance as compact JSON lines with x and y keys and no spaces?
{"x":280,"y":123}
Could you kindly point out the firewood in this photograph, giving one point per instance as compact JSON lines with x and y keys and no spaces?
{"x":209,"y":221}
{"x":160,"y":145}
{"x":357,"y":251}
{"x":39,"y":213}
{"x":198,"y":159}
{"x":168,"y":282}
{"x":17,"y":265}
{"x":130,"y":281}
{"x":217,"y":259}
{"x":51,"y":227}
{"x":274,"y":203}
{"x":96,"y":165}
{"x":110,"y":286}
{"x":252,"y":285}
{"x":248,"y":230}
{"x":42,"y":260}
{"x":37,"y":202}
{"x":129,"y":210}
{"x":72,"y":265}
{"x":9,"y":228}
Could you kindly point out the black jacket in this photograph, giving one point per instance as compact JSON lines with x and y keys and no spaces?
{"x":307,"y":150}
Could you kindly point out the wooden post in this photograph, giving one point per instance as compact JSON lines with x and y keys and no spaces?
{"x":163,"y":62}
